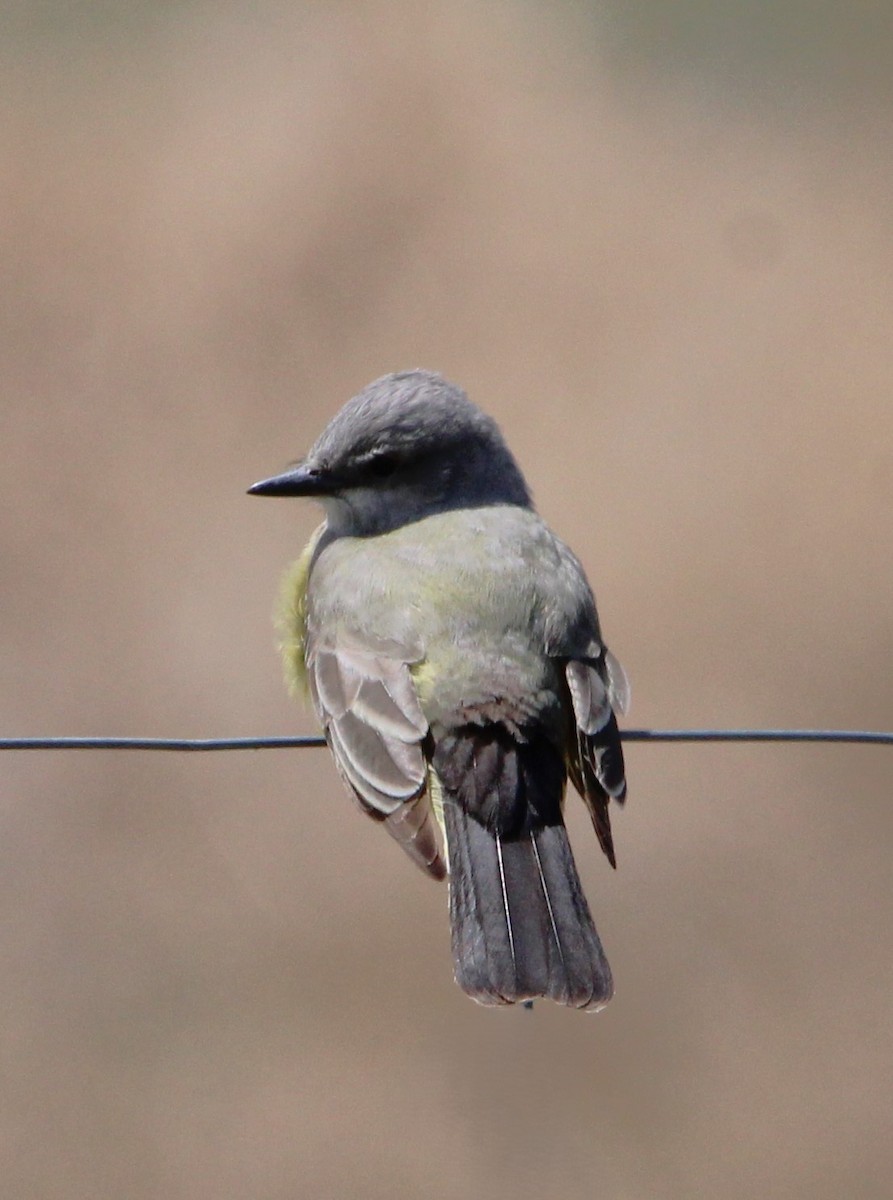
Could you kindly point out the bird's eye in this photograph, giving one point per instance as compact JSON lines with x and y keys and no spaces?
{"x":383,"y":465}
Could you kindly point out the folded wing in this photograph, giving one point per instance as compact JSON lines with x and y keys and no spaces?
{"x":598,"y":687}
{"x":367,"y":703}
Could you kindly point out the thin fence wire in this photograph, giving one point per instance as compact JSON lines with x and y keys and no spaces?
{"x":838,"y":736}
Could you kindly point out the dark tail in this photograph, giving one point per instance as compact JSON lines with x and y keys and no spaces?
{"x":521,"y":925}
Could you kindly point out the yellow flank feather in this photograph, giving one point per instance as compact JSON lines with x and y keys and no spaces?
{"x":291,"y":618}
{"x":424,"y":678}
{"x":435,"y":794}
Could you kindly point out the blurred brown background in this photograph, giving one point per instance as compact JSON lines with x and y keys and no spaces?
{"x":656,"y":242}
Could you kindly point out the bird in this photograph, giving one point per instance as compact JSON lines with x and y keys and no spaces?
{"x":449,"y":644}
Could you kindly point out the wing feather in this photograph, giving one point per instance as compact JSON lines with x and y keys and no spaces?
{"x":367,"y":703}
{"x":596,"y":759}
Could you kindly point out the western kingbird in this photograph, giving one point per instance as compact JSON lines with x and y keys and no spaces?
{"x":450,"y":646}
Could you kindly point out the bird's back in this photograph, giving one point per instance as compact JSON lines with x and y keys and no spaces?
{"x":482,"y":600}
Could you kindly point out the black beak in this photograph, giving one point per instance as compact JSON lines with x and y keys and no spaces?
{"x":299,"y":480}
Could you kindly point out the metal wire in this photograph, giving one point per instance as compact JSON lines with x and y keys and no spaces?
{"x":137,"y":743}
{"x":847,"y":736}
{"x":852,"y":736}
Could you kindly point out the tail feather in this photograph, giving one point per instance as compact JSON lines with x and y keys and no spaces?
{"x":521,"y":925}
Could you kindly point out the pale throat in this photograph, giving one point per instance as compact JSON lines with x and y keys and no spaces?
{"x":363,"y":511}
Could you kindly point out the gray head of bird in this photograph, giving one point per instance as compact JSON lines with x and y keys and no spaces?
{"x":409,"y":445}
